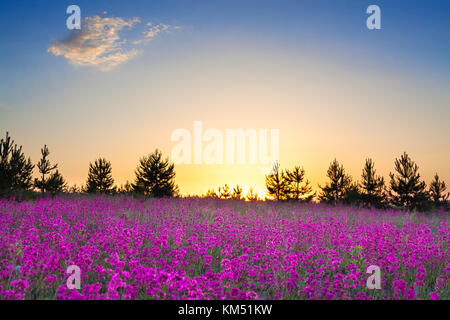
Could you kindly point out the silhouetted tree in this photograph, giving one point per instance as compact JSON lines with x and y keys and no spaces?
{"x":15,"y":170}
{"x":353,"y":196}
{"x":45,"y":169}
{"x":371,"y":185}
{"x":155,"y":176}
{"x":276,"y":183}
{"x":225,"y":193}
{"x":339,"y":186}
{"x":211,"y":194}
{"x":237,"y":193}
{"x":56,"y":183}
{"x":50,"y":180}
{"x":126,"y":188}
{"x":406,"y":188}
{"x":74,"y":189}
{"x":251,"y":195}
{"x":100,"y":179}
{"x":295,"y":188}
{"x":437,"y":192}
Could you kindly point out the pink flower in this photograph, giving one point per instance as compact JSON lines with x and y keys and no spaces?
{"x":115,"y":282}
{"x":235,"y":292}
{"x":419,"y":283}
{"x":226,"y":265}
{"x":411,"y":294}
{"x":50,"y":278}
{"x":399,"y":286}
{"x":19,"y":284}
{"x":421,"y":274}
{"x":434,"y":296}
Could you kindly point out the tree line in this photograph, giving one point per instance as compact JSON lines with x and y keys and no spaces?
{"x":236,"y":193}
{"x":155,"y":176}
{"x":404,"y":190}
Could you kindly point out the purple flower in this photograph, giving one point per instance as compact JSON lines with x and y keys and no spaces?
{"x":421,"y":274}
{"x":50,"y":278}
{"x":434,"y":296}
{"x":399,"y":286}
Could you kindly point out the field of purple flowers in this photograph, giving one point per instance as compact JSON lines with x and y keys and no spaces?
{"x":217,"y":249}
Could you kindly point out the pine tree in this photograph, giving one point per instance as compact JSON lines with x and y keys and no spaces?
{"x":406,"y":188}
{"x":225,"y":193}
{"x":211,"y":194}
{"x":45,"y":168}
{"x":74,"y":189}
{"x":339,"y":185}
{"x":251,"y":195}
{"x":276,"y":183}
{"x":100,"y":178}
{"x":371,"y":185}
{"x":237,"y":193}
{"x":20,"y":171}
{"x":155,"y":176}
{"x":56,"y":183}
{"x":15,"y":170}
{"x":437,"y":191}
{"x":50,"y":179}
{"x":295,"y":187}
{"x":126,"y":188}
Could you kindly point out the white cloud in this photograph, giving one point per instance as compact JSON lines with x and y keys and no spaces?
{"x":154,"y":30}
{"x":98,"y":44}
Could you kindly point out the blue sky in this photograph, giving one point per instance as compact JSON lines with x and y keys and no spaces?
{"x":229,"y":58}
{"x":414,"y":37}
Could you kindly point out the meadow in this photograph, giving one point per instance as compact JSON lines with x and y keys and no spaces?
{"x":129,"y":248}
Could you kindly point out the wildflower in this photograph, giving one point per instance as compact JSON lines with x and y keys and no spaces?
{"x":411,"y":293}
{"x":434,"y":296}
{"x":235,"y":292}
{"x":226,"y":264}
{"x":50,"y":278}
{"x":399,"y":286}
{"x":19,"y":284}
{"x":421,"y":274}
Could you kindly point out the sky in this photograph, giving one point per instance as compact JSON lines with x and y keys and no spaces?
{"x":138,"y":71}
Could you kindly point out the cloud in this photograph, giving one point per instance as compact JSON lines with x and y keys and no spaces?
{"x":98,"y":44}
{"x":154,"y":30}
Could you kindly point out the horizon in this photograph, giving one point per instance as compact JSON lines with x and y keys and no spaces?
{"x":312,"y":70}
{"x":261,"y":192}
